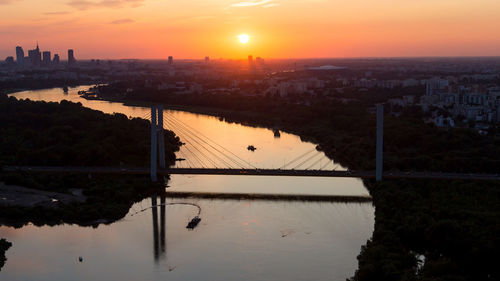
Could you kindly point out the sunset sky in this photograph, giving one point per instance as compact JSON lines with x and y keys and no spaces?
{"x":117,"y":29}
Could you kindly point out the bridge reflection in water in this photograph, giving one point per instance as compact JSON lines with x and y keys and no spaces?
{"x":159,"y":235}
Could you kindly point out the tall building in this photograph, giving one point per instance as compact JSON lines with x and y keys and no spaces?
{"x":56,"y":59}
{"x":35,"y":56}
{"x":170,"y":60}
{"x":19,"y":55}
{"x":46,"y":58}
{"x":250,"y":59}
{"x":71,"y":57}
{"x":207,"y":59}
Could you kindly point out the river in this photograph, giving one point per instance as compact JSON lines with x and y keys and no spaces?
{"x":236,"y":239}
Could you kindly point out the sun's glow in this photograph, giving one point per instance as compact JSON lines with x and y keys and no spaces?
{"x":243,"y":38}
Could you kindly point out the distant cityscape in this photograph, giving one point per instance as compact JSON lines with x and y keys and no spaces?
{"x":37,"y":58}
{"x":452,"y":92}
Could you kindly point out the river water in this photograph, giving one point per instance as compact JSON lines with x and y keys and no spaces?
{"x":236,"y":239}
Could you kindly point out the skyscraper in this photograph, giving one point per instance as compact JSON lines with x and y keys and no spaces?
{"x":207,"y":59}
{"x":56,"y":59}
{"x":46,"y":58}
{"x":170,"y":60}
{"x":71,"y":57}
{"x":250,"y":59}
{"x":19,"y":55}
{"x":35,"y":56}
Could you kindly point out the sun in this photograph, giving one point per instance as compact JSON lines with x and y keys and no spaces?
{"x":243,"y":38}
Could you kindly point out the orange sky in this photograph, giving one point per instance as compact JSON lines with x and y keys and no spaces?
{"x":278,"y":28}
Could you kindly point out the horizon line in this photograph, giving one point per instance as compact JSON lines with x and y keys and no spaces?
{"x":302,"y":58}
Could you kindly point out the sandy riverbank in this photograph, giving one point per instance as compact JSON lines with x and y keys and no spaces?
{"x":12,"y":195}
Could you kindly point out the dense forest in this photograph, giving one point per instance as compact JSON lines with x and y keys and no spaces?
{"x":347,"y":131}
{"x":40,"y":133}
{"x":68,"y":134}
{"x":424,"y":230}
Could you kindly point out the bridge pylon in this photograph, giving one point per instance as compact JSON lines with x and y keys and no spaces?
{"x":157,"y":142}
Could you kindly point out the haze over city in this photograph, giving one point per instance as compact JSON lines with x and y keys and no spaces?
{"x":154,"y":29}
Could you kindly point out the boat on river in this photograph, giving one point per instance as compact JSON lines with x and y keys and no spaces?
{"x":277,"y":133}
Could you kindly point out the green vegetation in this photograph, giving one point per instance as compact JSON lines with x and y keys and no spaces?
{"x":4,"y":246}
{"x":346,"y":132}
{"x":454,"y":224}
{"x":68,"y":134}
{"x":40,"y":133}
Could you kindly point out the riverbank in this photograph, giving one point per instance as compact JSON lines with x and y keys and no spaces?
{"x":67,"y":134}
{"x":12,"y":195}
{"x":4,"y":246}
{"x":424,"y":230}
{"x":324,"y":220}
{"x":272,"y":197}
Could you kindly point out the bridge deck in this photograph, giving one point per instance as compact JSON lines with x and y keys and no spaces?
{"x":251,"y":172}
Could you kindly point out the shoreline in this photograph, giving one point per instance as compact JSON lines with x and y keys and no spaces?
{"x":270,"y":197}
{"x":412,"y":217}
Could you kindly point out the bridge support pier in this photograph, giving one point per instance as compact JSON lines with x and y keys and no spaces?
{"x":156,"y":240}
{"x":380,"y":142}
{"x":154,"y":145}
{"x":161,"y":139}
{"x":157,"y":141}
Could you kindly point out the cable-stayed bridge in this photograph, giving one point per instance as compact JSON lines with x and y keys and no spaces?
{"x":200,"y":155}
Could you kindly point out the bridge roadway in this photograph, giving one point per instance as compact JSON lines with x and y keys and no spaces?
{"x":251,"y":172}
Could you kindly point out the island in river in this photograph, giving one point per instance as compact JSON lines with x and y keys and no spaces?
{"x":41,"y":133}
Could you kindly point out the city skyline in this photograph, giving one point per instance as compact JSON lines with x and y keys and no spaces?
{"x":277,"y":29}
{"x":37,"y":57}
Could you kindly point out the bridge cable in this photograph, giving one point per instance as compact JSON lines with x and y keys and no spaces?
{"x":195,"y":156}
{"x":186,"y":160}
{"x":222,"y":153}
{"x":194,"y":138}
{"x":328,"y":163}
{"x":201,"y":157}
{"x":146,"y":116}
{"x":307,"y":160}
{"x":201,"y":134}
{"x":317,"y":161}
{"x":184,"y":156}
{"x":298,"y":158}
{"x":188,"y":138}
